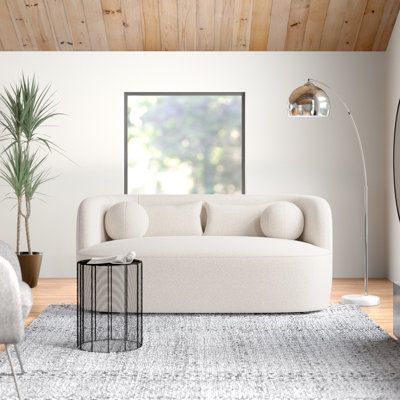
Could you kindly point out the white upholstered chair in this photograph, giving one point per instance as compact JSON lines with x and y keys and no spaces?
{"x":15,"y":305}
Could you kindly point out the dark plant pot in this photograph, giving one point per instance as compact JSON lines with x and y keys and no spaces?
{"x":30,"y":267}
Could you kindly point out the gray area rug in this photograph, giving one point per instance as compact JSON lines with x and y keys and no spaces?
{"x":338,"y":353}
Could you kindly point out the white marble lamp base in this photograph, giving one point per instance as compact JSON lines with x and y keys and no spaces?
{"x":360,"y":300}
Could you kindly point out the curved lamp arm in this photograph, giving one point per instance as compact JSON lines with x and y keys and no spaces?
{"x":319,"y":83}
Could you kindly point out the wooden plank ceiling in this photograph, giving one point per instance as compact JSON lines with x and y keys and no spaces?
{"x":197,"y":24}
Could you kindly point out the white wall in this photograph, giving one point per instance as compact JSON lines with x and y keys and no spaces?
{"x":282,"y":155}
{"x":392,"y":97}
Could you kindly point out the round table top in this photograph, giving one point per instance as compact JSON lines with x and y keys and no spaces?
{"x":86,"y":262}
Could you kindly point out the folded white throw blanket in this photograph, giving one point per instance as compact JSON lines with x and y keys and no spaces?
{"x":127,"y":259}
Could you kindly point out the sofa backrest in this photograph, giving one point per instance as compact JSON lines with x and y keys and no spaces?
{"x":316,"y":211}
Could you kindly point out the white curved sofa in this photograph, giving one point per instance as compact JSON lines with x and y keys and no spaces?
{"x":221,"y":274}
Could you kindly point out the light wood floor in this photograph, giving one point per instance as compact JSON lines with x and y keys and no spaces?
{"x":53,"y":291}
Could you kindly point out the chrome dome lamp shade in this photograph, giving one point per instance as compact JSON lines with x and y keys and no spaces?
{"x":309,"y":100}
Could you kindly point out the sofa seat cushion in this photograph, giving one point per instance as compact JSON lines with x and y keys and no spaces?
{"x":26,"y":298}
{"x":205,"y":246}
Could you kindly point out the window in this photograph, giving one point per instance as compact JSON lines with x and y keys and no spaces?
{"x":182,"y":143}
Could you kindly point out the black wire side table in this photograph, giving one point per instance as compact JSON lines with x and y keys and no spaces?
{"x":109,"y":306}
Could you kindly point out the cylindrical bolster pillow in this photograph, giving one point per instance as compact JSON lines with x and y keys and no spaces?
{"x":126,"y":220}
{"x":282,"y":220}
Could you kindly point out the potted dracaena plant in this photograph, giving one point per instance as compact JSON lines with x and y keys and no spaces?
{"x":24,"y":108}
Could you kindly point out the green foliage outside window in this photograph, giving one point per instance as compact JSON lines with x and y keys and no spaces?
{"x":184,"y":144}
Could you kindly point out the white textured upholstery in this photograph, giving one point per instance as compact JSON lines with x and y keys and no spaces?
{"x":233,"y":219}
{"x":8,"y":253}
{"x":11,"y":314}
{"x":222,"y":274}
{"x":283,"y":220}
{"x":15,"y":297}
{"x":174,"y":219}
{"x":316,"y":211}
{"x":126,"y":220}
{"x":26,"y":298}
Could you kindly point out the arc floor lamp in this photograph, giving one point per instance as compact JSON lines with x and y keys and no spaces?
{"x":309,"y":100}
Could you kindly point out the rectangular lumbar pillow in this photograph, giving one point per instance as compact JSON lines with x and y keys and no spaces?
{"x":233,"y":219}
{"x":174,"y":220}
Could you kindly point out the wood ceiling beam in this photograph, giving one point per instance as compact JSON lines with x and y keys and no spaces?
{"x":352,"y":23}
{"x":95,"y":24}
{"x":8,"y":34}
{"x":386,"y":25}
{"x":42,"y":30}
{"x":315,"y":24}
{"x":78,"y":24}
{"x":113,"y":22}
{"x":22,"y":25}
{"x":151,"y":25}
{"x":260,"y":24}
{"x":205,"y":22}
{"x":369,"y":25}
{"x":279,"y":24}
{"x":224,"y":14}
{"x":333,"y":25}
{"x":296,"y":28}
{"x":132,"y":23}
{"x":60,"y":25}
{"x":242,"y":24}
{"x":169,"y":25}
